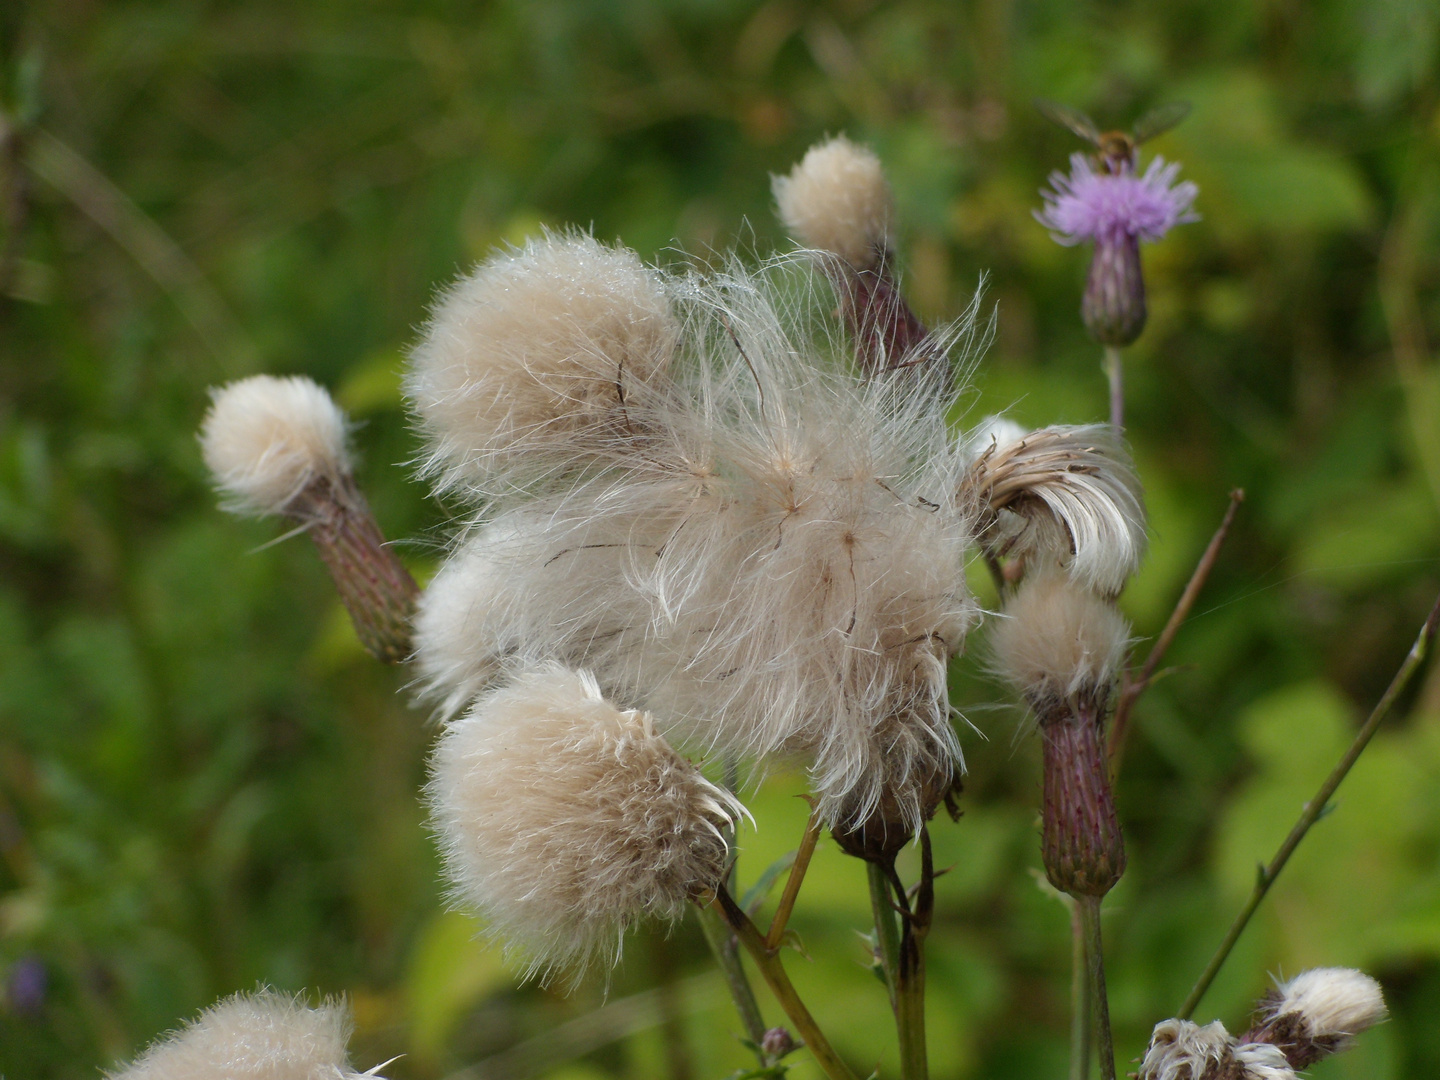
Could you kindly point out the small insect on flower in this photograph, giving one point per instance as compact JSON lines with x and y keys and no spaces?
{"x":261,"y":1036}
{"x":1109,"y":202}
{"x":563,"y":819}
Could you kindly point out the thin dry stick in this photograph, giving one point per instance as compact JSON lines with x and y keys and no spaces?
{"x":1315,"y":807}
{"x":793,"y":882}
{"x":1133,"y":688}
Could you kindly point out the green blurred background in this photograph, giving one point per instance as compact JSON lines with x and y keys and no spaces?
{"x":205,"y":785}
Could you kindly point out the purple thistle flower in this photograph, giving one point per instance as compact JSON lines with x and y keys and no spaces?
{"x":1116,"y":211}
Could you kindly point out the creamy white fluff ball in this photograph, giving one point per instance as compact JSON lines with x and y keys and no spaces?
{"x":563,"y":819}
{"x":837,"y":200}
{"x":1055,"y":638}
{"x":266,"y":438}
{"x":533,"y":354}
{"x":261,"y":1036}
{"x":1259,"y":1061}
{"x":1180,"y":1050}
{"x":1332,"y":1001}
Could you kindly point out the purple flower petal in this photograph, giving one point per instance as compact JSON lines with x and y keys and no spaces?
{"x":1091,"y":205}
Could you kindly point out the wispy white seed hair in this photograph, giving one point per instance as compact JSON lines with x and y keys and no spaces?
{"x":261,"y":1036}
{"x":773,"y":564}
{"x":1261,"y":1061}
{"x":1063,"y":494}
{"x":531,"y":357}
{"x":838,"y":201}
{"x":1331,"y":1001}
{"x":1056,"y":639}
{"x":563,"y":819}
{"x":994,"y":434}
{"x":1180,"y":1050}
{"x":266,"y":438}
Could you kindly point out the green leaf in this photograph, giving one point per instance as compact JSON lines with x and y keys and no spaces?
{"x":757,"y":893}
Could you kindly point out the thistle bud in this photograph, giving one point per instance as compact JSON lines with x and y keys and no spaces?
{"x":777,"y":1043}
{"x":277,"y":446}
{"x":1113,"y":305}
{"x":1060,"y":646}
{"x":1318,"y":1013}
{"x":262,"y":1036}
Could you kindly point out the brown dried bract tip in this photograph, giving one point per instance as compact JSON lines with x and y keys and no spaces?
{"x":890,"y":826}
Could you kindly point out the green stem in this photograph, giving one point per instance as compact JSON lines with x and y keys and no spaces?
{"x":1079,"y":998}
{"x":887,"y":932}
{"x":726,"y":948}
{"x":1114,"y":373}
{"x":1089,"y":908}
{"x":773,"y":971}
{"x":1315,"y":807}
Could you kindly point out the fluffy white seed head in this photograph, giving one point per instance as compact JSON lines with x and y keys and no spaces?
{"x":994,"y":434}
{"x":1056,"y":640}
{"x":780,"y":571}
{"x":1331,"y":1001}
{"x":837,"y":200}
{"x":1261,"y":1061}
{"x":261,"y":1036}
{"x":265,"y":439}
{"x":563,"y":819}
{"x":1061,"y":495}
{"x":530,"y":358}
{"x":1180,"y":1050}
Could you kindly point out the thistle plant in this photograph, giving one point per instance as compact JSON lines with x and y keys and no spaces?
{"x":709,"y":530}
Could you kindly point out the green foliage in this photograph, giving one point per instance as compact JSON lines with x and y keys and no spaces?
{"x":205,"y":785}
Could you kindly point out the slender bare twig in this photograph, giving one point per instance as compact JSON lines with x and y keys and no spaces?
{"x":1133,"y":688}
{"x":1089,"y":907}
{"x":147,"y":243}
{"x":1114,"y":375}
{"x":1315,"y":807}
{"x":793,"y":882}
{"x":773,"y":971}
{"x":1080,"y":1011}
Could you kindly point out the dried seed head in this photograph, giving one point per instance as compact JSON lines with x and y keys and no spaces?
{"x":837,"y":200}
{"x":1260,"y":1061}
{"x":261,"y":1036}
{"x":1057,"y":640}
{"x":1180,"y":1050}
{"x":531,"y":357}
{"x":1060,"y":495}
{"x":563,"y":819}
{"x":265,"y":439}
{"x":1318,"y":1013}
{"x":780,"y":572}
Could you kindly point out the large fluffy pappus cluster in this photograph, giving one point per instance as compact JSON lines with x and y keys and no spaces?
{"x":563,"y":819}
{"x":767,"y":552}
{"x":743,"y":522}
{"x":260,"y":1036}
